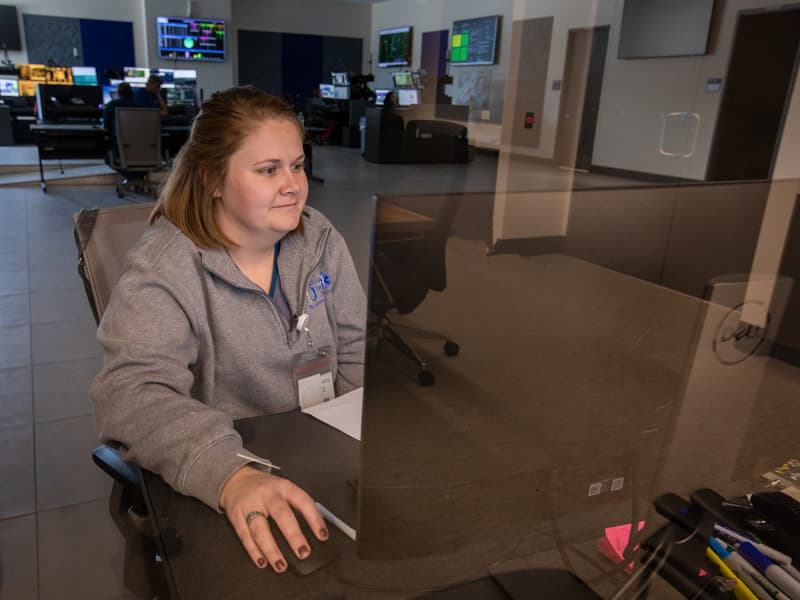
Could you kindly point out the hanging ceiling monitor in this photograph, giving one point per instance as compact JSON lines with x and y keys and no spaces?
{"x":190,"y":38}
{"x":394,"y":47}
{"x":474,"y":41}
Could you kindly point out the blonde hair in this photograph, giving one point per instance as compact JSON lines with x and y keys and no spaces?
{"x":221,"y":126}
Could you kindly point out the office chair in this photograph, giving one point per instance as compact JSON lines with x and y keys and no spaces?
{"x":405,"y":266}
{"x":137,"y":147}
{"x":103,"y":237}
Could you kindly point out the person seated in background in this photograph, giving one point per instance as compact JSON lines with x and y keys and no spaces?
{"x":390,"y":100}
{"x":124,"y":98}
{"x":150,"y":95}
{"x":234,"y":291}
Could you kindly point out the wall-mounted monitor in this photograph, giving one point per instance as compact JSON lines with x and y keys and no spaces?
{"x":659,"y":28}
{"x":394,"y":47}
{"x":403,"y":79}
{"x":9,"y":85}
{"x":84,"y":75}
{"x":9,"y":28}
{"x":407,"y":97}
{"x":326,"y":90}
{"x":190,"y":38}
{"x":474,"y":41}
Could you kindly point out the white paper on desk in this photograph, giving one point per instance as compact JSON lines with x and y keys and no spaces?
{"x":343,"y":413}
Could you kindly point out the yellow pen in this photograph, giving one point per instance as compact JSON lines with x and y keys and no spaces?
{"x":741,"y":591}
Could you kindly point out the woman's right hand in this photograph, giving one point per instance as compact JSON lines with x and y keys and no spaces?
{"x":250,"y":491}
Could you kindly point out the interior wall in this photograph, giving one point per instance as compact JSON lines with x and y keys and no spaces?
{"x":128,"y":10}
{"x":435,"y":15}
{"x":319,"y":17}
{"x":211,"y":76}
{"x":637,"y":92}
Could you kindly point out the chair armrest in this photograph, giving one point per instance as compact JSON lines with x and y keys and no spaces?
{"x":127,"y":474}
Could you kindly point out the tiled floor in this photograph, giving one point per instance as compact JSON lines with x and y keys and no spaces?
{"x":57,"y":540}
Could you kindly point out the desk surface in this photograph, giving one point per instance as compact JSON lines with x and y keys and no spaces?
{"x":570,"y":376}
{"x":68,"y":127}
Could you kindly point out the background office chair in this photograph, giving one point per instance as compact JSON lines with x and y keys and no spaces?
{"x":103,"y":237}
{"x":137,"y":147}
{"x":405,"y":267}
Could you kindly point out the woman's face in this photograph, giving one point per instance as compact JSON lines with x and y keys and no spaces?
{"x":265,"y":190}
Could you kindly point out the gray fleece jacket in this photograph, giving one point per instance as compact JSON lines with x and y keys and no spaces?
{"x":191,"y":344}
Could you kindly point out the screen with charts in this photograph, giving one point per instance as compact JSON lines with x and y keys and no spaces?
{"x":326,"y":90}
{"x":9,"y":86}
{"x":189,"y":38}
{"x":474,"y":41}
{"x":340,"y":78}
{"x":407,"y":97}
{"x":402,"y":80}
{"x":136,"y":76}
{"x":394,"y":47}
{"x":380,"y":96}
{"x":84,"y":75}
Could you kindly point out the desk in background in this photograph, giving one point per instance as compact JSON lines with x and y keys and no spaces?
{"x":66,"y":141}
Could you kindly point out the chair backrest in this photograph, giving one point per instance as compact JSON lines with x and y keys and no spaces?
{"x":103,"y":237}
{"x":138,"y":137}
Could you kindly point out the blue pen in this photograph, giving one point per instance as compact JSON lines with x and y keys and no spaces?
{"x":758,"y":584}
{"x":789,"y":585}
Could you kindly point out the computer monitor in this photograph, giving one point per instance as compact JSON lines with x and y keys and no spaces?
{"x":380,"y":96}
{"x":109,"y":93}
{"x":340,"y":78}
{"x":136,"y":76}
{"x":9,"y":85}
{"x":326,"y":90}
{"x":403,"y":79}
{"x":407,"y":97}
{"x":84,"y":75}
{"x":69,"y":103}
{"x":341,"y":92}
{"x":522,"y":435}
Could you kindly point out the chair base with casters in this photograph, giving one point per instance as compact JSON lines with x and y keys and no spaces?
{"x":137,"y":148}
{"x":385,"y":330}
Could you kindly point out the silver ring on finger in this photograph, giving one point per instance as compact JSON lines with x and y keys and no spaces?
{"x":252,"y":515}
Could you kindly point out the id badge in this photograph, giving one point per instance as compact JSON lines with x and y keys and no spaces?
{"x":314,"y":380}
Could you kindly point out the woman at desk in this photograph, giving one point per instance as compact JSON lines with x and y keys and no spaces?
{"x":238,"y":301}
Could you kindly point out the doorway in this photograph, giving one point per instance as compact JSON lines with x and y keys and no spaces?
{"x":580,"y":97}
{"x":756,"y":94}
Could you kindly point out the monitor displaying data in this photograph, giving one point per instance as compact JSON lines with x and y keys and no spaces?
{"x":136,"y":76}
{"x":407,"y":97}
{"x":326,"y":90}
{"x":403,"y":80}
{"x":84,"y":75}
{"x":474,"y":41}
{"x":394,"y":47}
{"x":189,"y":38}
{"x":380,"y":96}
{"x":9,"y":86}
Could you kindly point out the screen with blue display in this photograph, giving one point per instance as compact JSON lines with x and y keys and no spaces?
{"x":474,"y":41}
{"x":188,"y":38}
